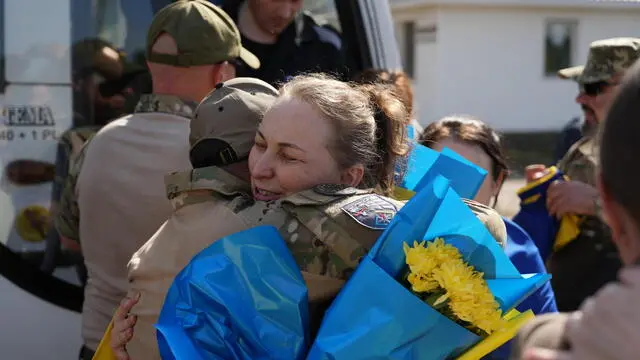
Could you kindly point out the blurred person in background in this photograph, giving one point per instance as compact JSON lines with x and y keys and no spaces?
{"x":110,"y":211}
{"x":606,"y":327}
{"x":403,"y":89}
{"x":576,"y":128}
{"x":286,"y":40}
{"x":95,"y":63}
{"x":590,"y":260}
{"x":480,"y":144}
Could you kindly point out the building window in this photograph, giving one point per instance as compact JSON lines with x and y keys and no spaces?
{"x":409,"y":48}
{"x":559,"y":45}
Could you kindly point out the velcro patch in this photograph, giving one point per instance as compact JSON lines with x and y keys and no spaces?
{"x":371,"y":211}
{"x":334,"y":190}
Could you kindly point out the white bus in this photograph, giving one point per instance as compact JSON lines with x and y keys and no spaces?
{"x":40,"y":310}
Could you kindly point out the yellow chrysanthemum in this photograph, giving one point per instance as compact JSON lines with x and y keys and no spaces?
{"x":439,"y":267}
{"x":422,"y":283}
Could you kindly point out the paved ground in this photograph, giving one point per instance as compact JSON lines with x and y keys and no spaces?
{"x":508,"y":202}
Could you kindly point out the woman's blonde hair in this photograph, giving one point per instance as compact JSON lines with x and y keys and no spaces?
{"x":369,"y":122}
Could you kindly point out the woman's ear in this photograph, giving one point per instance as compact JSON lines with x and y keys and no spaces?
{"x":497,"y":184}
{"x":353,"y":175}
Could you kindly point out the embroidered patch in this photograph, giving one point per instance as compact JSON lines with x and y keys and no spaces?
{"x":334,"y":189}
{"x":371,"y":211}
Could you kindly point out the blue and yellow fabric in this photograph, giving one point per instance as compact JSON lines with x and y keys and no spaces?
{"x":243,"y":297}
{"x":548,"y":233}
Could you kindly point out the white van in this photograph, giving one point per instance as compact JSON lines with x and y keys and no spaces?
{"x":40,"y":310}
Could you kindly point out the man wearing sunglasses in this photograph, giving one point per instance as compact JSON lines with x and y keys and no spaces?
{"x":591,"y":260}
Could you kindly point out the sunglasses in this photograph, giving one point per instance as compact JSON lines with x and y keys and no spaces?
{"x":595,"y":88}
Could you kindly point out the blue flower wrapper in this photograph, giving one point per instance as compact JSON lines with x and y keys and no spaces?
{"x":424,"y":164}
{"x":243,"y":297}
{"x":375,"y":316}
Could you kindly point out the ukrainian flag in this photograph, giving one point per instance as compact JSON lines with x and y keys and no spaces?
{"x":548,"y":233}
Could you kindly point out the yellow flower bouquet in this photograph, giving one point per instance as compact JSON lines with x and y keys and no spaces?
{"x":440,"y":277}
{"x":450,"y":296}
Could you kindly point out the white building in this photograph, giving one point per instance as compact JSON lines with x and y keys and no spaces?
{"x":496,"y":59}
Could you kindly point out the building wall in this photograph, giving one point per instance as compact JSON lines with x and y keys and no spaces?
{"x":489,"y":62}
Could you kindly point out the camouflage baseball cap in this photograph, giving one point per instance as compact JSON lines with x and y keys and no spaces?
{"x":225,"y":123}
{"x":204,"y":33}
{"x":606,"y":58}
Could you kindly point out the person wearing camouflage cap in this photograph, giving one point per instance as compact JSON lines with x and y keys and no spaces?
{"x":205,"y":200}
{"x":591,"y":260}
{"x":328,"y":227}
{"x":113,"y":199}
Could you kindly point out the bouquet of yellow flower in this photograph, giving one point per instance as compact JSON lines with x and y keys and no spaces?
{"x":439,"y":276}
{"x":449,"y":297}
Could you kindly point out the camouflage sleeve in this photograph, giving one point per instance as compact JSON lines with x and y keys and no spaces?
{"x":62,"y":170}
{"x":580,"y":162}
{"x":67,"y":217}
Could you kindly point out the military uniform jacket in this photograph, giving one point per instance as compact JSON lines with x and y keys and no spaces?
{"x":328,"y":229}
{"x":204,"y":202}
{"x":111,"y":211}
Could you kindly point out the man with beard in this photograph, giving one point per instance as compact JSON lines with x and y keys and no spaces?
{"x":590,"y":260}
{"x":286,"y":41}
{"x":606,"y":326}
{"x":576,"y":128}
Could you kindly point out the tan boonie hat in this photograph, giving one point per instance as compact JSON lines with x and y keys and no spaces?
{"x":225,"y":123}
{"x":606,"y":58}
{"x":203,"y":32}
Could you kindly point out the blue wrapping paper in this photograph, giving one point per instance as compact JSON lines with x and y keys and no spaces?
{"x":241,"y":298}
{"x":244,"y":297}
{"x":425,"y":164}
{"x":374,"y":316}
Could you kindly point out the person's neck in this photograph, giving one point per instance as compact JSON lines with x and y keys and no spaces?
{"x":188,"y":96}
{"x":248,"y":26}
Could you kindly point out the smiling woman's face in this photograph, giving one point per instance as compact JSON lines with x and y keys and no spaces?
{"x":291,"y":151}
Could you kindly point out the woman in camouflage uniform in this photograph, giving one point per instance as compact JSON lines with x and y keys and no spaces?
{"x":321,"y":168}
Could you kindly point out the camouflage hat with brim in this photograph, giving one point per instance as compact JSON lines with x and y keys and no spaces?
{"x":203,"y":32}
{"x":606,"y":59}
{"x":571,"y":73}
{"x":225,"y":123}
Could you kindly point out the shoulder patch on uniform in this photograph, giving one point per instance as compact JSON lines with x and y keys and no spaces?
{"x":328,"y":36}
{"x":335,"y":189}
{"x":371,"y":211}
